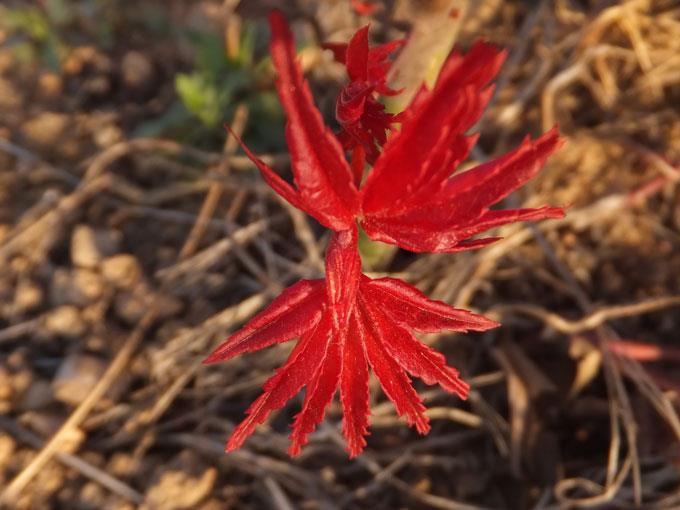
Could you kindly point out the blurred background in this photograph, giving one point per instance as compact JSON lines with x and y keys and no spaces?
{"x":134,"y":238}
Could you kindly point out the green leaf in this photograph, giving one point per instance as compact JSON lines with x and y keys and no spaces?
{"x":30,"y":21}
{"x":200,"y":97}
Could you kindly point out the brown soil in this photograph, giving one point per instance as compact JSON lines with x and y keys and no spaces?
{"x":108,"y":303}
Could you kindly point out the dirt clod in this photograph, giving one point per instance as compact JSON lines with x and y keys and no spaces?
{"x":137,"y":70}
{"x":122,"y":270}
{"x":7,"y":448}
{"x":65,"y":320}
{"x":47,"y":129}
{"x":37,"y":396}
{"x":76,"y":377}
{"x":89,"y":247}
{"x":78,"y":287}
{"x":28,"y":297}
{"x":181,"y":485}
{"x":9,"y":95}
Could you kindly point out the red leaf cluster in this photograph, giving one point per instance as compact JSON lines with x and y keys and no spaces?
{"x":413,"y":198}
{"x":363,"y":119}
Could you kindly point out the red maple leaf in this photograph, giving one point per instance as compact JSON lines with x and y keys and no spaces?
{"x":347,"y":323}
{"x":412,"y":198}
{"x":363,"y":119}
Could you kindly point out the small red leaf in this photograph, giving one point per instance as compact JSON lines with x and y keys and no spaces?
{"x":492,"y":219}
{"x":294,"y":311}
{"x":467,"y":194}
{"x":319,"y":394}
{"x":427,"y":239}
{"x":418,"y":359}
{"x":364,"y":8}
{"x":391,"y":376}
{"x":357,"y":55}
{"x":354,"y":391}
{"x":322,"y":175}
{"x":407,"y":305}
{"x":303,"y":362}
{"x":363,"y":119}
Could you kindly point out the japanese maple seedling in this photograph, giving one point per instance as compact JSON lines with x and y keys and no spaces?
{"x":347,"y":322}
